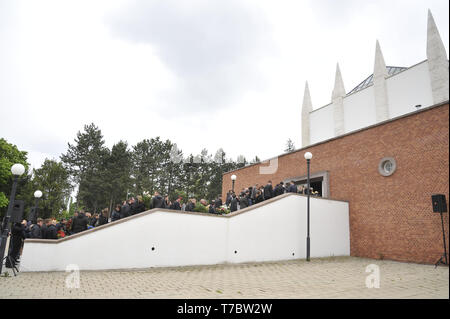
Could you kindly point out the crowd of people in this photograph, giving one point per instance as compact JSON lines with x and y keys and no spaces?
{"x":258,"y":193}
{"x":82,"y":220}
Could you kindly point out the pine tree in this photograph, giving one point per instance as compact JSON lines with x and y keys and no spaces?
{"x":289,"y":146}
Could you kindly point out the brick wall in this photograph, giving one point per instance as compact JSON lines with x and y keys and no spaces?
{"x":390,"y":217}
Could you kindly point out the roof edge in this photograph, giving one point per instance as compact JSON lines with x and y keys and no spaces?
{"x":425,"y":109}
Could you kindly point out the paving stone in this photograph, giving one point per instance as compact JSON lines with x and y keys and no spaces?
{"x":329,"y":278}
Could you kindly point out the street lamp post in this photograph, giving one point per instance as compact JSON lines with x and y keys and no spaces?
{"x":233,"y":179}
{"x":37,"y":196}
{"x":308,"y":157}
{"x":16,"y":170}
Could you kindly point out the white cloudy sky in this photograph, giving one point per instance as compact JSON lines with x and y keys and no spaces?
{"x":204,"y":74}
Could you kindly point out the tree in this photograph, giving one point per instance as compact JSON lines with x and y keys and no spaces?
{"x":9,"y":155}
{"x":255,"y":160}
{"x":289,"y":146}
{"x":86,"y":162}
{"x":52,"y":178}
{"x":118,"y":173}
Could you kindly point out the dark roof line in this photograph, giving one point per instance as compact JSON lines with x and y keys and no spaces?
{"x":369,"y":80}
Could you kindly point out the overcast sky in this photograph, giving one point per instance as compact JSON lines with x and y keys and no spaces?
{"x":204,"y":74}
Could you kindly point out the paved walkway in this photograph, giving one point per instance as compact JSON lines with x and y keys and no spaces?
{"x":338,"y":277}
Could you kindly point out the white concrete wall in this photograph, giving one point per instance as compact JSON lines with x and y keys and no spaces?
{"x":268,"y":233}
{"x":359,"y":110}
{"x":405,"y":90}
{"x":409,"y":88}
{"x":322,"y":124}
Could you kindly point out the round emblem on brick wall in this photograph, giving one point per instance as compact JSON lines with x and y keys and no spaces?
{"x":387,"y":166}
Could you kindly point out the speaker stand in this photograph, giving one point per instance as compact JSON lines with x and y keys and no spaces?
{"x":444,"y":255}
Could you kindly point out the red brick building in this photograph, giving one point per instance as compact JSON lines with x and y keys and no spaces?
{"x":391,"y":217}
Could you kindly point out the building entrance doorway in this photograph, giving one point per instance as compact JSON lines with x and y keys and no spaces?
{"x":315,"y":184}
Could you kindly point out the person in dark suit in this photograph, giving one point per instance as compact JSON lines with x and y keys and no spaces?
{"x":103,"y":219}
{"x":79,"y":223}
{"x":191,"y":205}
{"x":115,"y":215}
{"x":36,"y":229}
{"x":211,"y":208}
{"x":218,"y":202}
{"x":243,"y":201}
{"x":158,"y":201}
{"x":233,"y":203}
{"x":278,"y":190}
{"x":176,"y":204}
{"x":268,"y":191}
{"x":140,"y":207}
{"x":51,"y":232}
{"x":292,"y":188}
{"x":17,"y":237}
{"x":125,"y":210}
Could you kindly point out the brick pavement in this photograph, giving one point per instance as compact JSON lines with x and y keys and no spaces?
{"x":336,"y":277}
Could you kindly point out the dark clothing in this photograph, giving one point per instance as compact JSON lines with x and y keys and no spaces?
{"x":292,"y":188}
{"x":228,"y":200}
{"x":190,"y":207}
{"x":158,"y":202}
{"x":211,"y":209}
{"x":243,"y":202}
{"x":92,"y":221}
{"x":176,"y":205}
{"x":43,"y":231}
{"x":233,"y":204}
{"x":278,"y":190}
{"x":36,"y":231}
{"x":51,"y":232}
{"x":102,"y":220}
{"x":139,"y":208}
{"x":218,"y":203}
{"x":79,"y":223}
{"x":115,"y":215}
{"x":17,"y":237}
{"x":268,"y":191}
{"x":259,"y":199}
{"x":134,"y":208}
{"x":125,"y":211}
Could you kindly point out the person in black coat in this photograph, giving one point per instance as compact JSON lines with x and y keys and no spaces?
{"x":103,"y":219}
{"x":176,"y":204}
{"x":243,"y":201}
{"x":218,"y":202}
{"x":125,"y":210}
{"x":211,"y":209}
{"x":268,"y":191}
{"x":229,"y":198}
{"x":140,"y":207}
{"x":17,"y":237}
{"x":79,"y":223}
{"x":158,"y":201}
{"x":115,"y":215}
{"x":36,"y":231}
{"x":51,"y":232}
{"x":191,"y":205}
{"x":233,"y":203}
{"x":259,"y":197}
{"x":292,"y":188}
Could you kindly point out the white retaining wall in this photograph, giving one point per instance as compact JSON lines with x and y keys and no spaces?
{"x":275,"y":231}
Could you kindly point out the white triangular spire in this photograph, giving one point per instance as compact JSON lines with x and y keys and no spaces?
{"x":437,"y":62}
{"x":307,"y":104}
{"x":339,"y":90}
{"x":338,"y":103}
{"x":306,"y":109}
{"x":380,"y":66}
{"x":379,"y":83}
